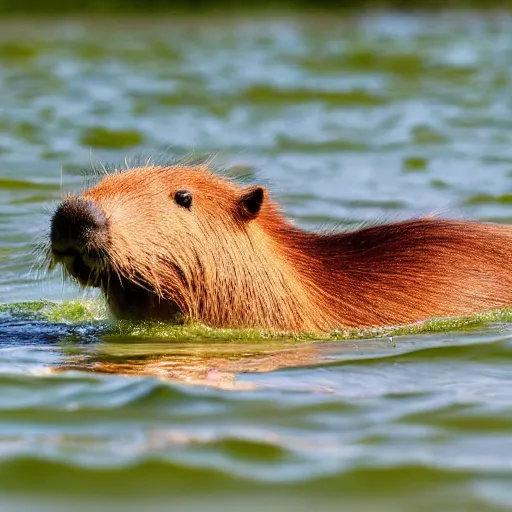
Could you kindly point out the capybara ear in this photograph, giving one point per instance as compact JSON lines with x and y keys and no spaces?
{"x":250,"y":201}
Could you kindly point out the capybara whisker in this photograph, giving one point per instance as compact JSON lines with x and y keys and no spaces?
{"x":181,"y":242}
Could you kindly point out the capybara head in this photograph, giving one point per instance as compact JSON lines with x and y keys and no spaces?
{"x":160,"y":241}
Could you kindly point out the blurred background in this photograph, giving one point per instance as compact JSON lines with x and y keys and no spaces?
{"x":349,"y":115}
{"x":353,"y":111}
{"x":192,"y":6}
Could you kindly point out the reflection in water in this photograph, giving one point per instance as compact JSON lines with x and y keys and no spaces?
{"x":205,"y":364}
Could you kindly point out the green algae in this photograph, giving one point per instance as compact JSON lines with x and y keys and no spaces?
{"x":408,"y":65}
{"x":17,"y":51}
{"x":100,"y":137}
{"x":439,"y":184}
{"x":289,"y":144}
{"x":415,"y":164}
{"x":426,"y":135}
{"x":94,"y":313}
{"x":57,"y":312}
{"x":14,"y":184}
{"x":488,"y":199}
{"x":266,"y":94}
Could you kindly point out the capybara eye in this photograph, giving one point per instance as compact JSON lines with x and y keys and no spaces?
{"x":183,"y":198}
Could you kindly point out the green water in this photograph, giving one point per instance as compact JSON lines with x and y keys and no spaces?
{"x":347,"y":120}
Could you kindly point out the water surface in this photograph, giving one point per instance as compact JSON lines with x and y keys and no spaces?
{"x":347,"y":120}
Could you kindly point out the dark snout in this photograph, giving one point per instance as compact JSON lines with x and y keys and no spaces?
{"x":77,"y":225}
{"x":79,"y":234}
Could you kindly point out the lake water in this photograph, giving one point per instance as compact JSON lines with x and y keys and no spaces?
{"x":382,"y":116}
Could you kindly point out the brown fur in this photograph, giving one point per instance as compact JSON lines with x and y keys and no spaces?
{"x":226,"y":266}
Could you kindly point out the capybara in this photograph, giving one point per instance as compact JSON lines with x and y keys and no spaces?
{"x":185,"y":243}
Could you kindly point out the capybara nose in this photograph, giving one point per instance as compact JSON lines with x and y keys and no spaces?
{"x":78,"y":225}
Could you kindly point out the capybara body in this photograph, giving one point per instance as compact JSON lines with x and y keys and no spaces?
{"x":183,"y":242}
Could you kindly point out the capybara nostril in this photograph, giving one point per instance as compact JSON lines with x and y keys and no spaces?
{"x":78,"y":224}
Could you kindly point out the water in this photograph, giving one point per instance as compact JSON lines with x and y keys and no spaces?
{"x":347,"y":120}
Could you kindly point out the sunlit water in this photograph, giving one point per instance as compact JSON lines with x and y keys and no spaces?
{"x":347,"y":120}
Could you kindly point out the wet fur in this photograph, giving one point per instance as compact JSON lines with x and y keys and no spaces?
{"x":223,"y":266}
